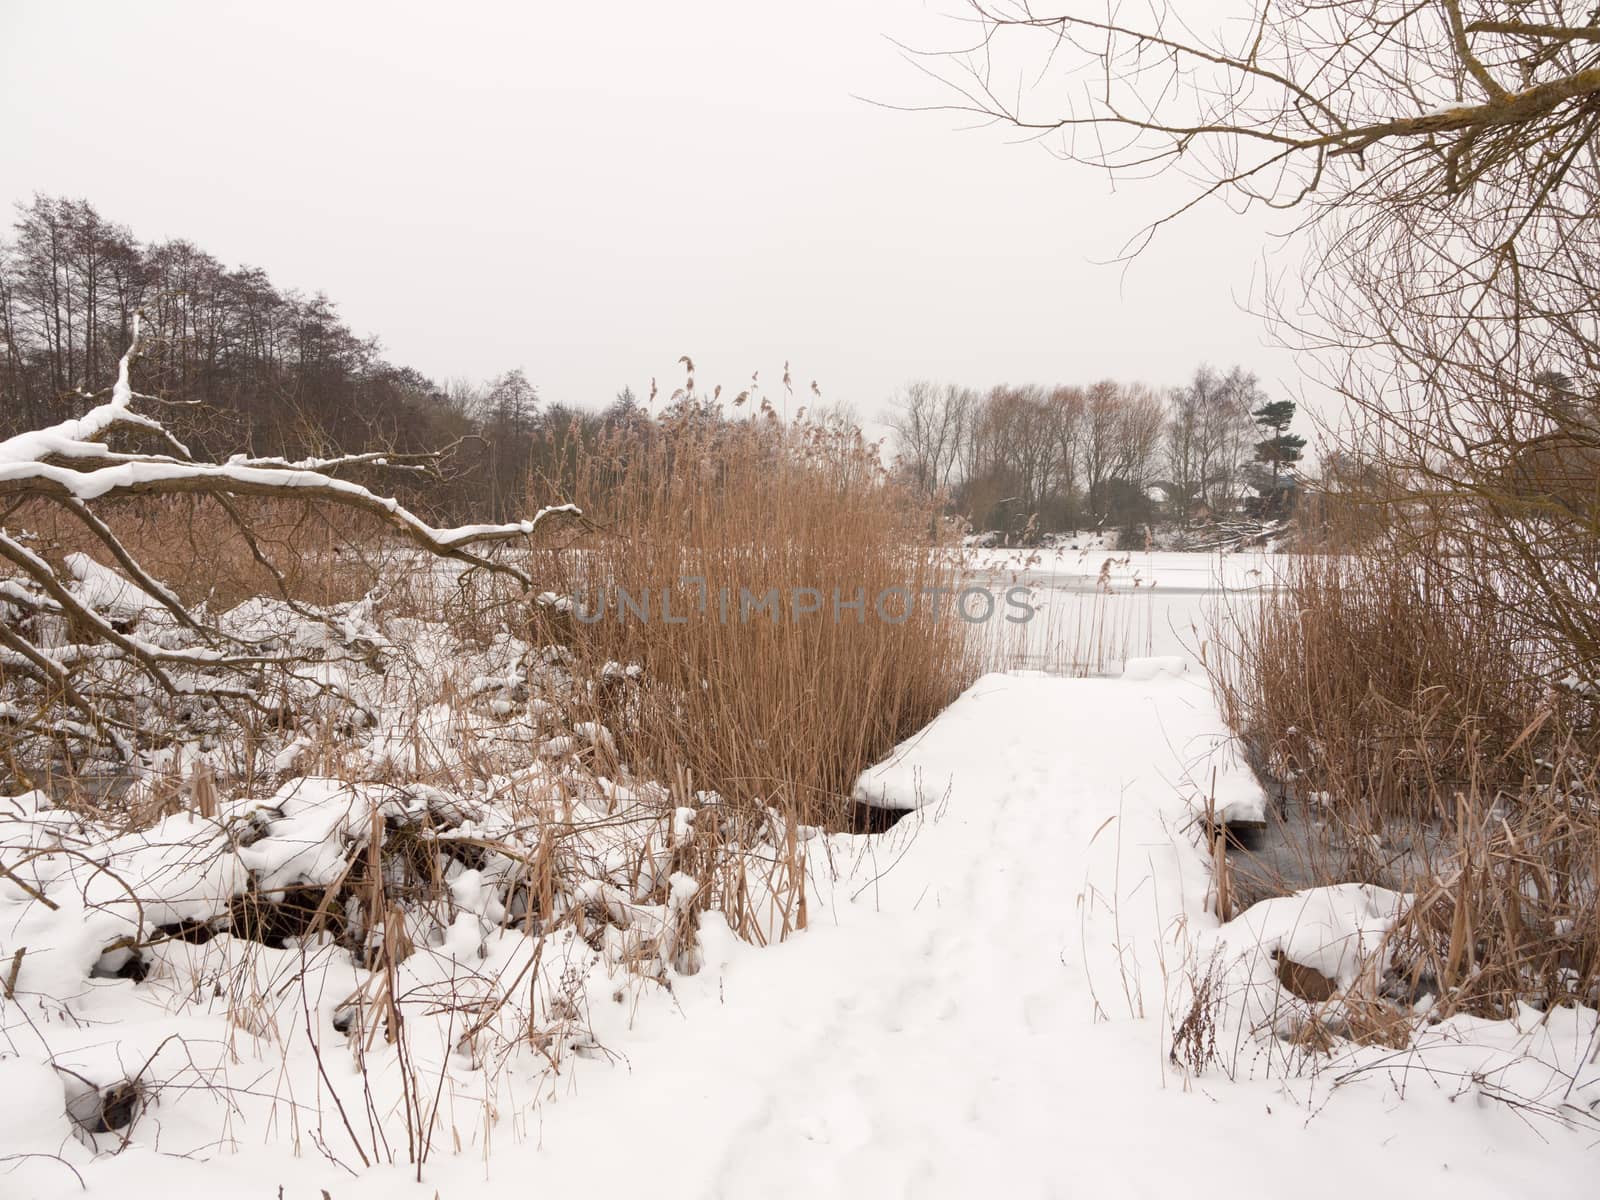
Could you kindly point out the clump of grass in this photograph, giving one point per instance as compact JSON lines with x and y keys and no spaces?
{"x":784,"y":707}
{"x":1432,"y":749}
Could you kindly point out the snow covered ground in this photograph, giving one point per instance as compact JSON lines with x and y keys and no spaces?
{"x":983,"y":1002}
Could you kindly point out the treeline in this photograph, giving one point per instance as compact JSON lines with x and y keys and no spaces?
{"x":243,"y":365}
{"x":285,"y":368}
{"x":1109,"y":454}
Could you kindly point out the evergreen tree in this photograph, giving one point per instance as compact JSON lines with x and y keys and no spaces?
{"x":625,"y":409}
{"x":1274,"y":453}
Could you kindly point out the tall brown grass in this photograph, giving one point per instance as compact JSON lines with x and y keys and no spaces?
{"x":1433,"y":750}
{"x":220,"y":553}
{"x":785,"y":710}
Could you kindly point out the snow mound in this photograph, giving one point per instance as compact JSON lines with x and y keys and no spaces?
{"x":1337,"y":931}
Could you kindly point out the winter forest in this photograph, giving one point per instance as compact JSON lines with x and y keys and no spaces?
{"x":933,"y":599}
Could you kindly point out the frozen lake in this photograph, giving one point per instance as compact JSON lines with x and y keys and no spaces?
{"x":1095,"y":609}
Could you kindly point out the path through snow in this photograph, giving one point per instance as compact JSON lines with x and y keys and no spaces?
{"x":967,"y":1015}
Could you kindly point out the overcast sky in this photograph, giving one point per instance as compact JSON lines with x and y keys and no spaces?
{"x":589,"y":190}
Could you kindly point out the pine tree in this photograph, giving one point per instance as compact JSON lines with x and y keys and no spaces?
{"x":1282,"y":448}
{"x":625,"y":409}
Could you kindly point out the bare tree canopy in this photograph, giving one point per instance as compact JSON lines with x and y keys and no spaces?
{"x":1411,"y":104}
{"x":1033,"y":460}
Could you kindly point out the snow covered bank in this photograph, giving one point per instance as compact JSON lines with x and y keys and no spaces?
{"x":1094,"y":566}
{"x":982,"y":1002}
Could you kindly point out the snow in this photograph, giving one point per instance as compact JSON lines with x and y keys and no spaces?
{"x":1093,"y":565}
{"x":1095,"y":608}
{"x":307,"y":844}
{"x":1145,"y":669}
{"x":107,"y":592}
{"x":149,"y":474}
{"x":1206,"y":767}
{"x":982,"y":1000}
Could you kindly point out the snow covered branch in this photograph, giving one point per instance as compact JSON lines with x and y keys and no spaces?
{"x":70,"y":467}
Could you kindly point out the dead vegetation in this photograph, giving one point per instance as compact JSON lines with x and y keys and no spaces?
{"x":412,"y":806}
{"x":772,"y":587}
{"x":91,"y":682}
{"x":1425,"y":741}
{"x":313,"y":554}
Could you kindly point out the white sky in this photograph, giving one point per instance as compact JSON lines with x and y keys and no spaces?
{"x":589,"y":190}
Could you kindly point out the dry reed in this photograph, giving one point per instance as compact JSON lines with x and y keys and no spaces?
{"x":779,"y":705}
{"x":1418,"y":732}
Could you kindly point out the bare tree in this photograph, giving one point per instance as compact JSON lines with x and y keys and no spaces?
{"x":1138,"y":437}
{"x":1067,"y":405}
{"x":1101,"y":434}
{"x":1349,"y":101}
{"x":1441,"y":155}
{"x":13,"y":384}
{"x":1028,"y":444}
{"x":930,"y":423}
{"x":1182,"y":455}
{"x":1057,"y":454}
{"x":1229,"y":435}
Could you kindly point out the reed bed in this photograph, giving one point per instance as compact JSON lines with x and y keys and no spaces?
{"x":771,"y":588}
{"x":1426,"y":740}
